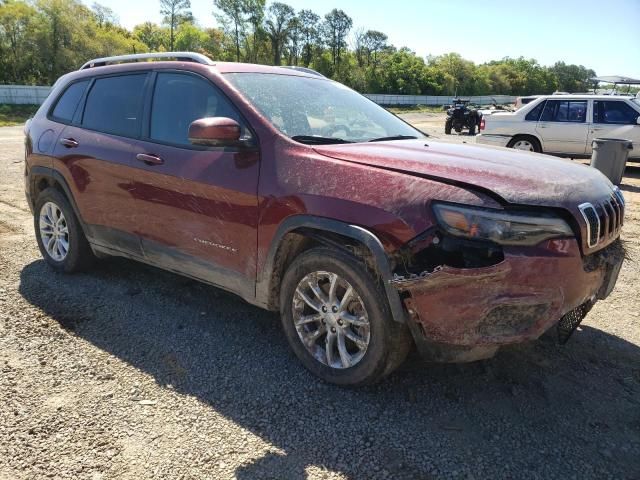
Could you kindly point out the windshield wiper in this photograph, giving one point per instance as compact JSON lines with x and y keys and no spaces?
{"x":317,"y":140}
{"x":394,"y":137}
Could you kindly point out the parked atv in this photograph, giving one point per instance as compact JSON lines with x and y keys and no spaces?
{"x":460,"y":116}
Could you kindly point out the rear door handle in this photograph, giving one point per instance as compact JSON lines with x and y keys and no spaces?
{"x":69,"y":142}
{"x":149,"y":159}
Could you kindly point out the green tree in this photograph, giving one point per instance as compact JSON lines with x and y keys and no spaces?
{"x":105,"y":16}
{"x":572,"y":78}
{"x":254,"y":10}
{"x":17,"y":29}
{"x":67,"y":35}
{"x":401,"y":72}
{"x":214,"y":46}
{"x":457,"y":73}
{"x":277,"y":26}
{"x":175,"y":12}
{"x":336,"y":27}
{"x":152,"y":35}
{"x":233,"y":19}
{"x":309,"y":33}
{"x":294,"y":41}
{"x":374,"y":42}
{"x":190,"y":38}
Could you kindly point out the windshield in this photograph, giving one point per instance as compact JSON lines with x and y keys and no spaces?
{"x":315,"y":110}
{"x":636,"y":101}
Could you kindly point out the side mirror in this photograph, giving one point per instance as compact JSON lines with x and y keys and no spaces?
{"x":215,"y":132}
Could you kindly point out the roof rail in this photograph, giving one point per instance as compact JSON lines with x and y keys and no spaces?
{"x":179,"y":56}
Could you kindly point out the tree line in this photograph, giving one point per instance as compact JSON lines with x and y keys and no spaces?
{"x":43,"y":39}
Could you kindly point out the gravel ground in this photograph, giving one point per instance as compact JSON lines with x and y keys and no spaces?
{"x":130,"y":372}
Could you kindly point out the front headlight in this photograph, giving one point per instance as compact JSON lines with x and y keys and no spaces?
{"x":505,"y":228}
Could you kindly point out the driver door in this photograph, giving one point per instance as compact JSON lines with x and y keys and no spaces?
{"x":200,"y":203}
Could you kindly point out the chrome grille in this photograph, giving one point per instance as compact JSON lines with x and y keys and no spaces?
{"x":604,"y":219}
{"x":593,"y":223}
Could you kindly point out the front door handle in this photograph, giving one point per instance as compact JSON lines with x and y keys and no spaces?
{"x":149,"y":159}
{"x":69,"y":142}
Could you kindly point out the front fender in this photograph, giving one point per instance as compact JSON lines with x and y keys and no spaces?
{"x":265,"y":281}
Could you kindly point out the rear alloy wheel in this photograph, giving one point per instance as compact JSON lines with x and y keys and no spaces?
{"x":59,"y":234}
{"x":54,"y":231}
{"x":337,"y":320}
{"x":525,"y":143}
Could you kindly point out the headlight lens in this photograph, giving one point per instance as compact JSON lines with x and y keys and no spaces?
{"x":505,"y":228}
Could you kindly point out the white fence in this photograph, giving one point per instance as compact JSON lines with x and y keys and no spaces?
{"x":381,"y":99}
{"x":23,"y":94}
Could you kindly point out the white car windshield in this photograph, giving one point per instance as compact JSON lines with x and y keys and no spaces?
{"x":318,"y":111}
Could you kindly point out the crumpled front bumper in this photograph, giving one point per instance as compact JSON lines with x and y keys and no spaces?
{"x":465,"y":314}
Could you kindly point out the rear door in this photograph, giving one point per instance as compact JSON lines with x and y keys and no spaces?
{"x":615,"y":119}
{"x":95,"y":155}
{"x":199,"y":204}
{"x":563,"y":126}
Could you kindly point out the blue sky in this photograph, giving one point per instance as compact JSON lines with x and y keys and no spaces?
{"x":603,"y":34}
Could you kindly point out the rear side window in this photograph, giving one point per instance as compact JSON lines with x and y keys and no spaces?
{"x":534,"y":114}
{"x":69,"y":101}
{"x":178,"y":100}
{"x":615,"y":112}
{"x":574,"y":111}
{"x":114,"y":105}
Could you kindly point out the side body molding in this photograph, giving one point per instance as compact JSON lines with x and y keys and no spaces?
{"x":264,"y":287}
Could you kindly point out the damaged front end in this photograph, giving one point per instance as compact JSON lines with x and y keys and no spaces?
{"x":466,"y":297}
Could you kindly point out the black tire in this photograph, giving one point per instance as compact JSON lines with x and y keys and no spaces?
{"x":448,"y":124}
{"x":534,"y":142}
{"x":389,"y":341}
{"x":79,"y":256}
{"x":472,"y":129}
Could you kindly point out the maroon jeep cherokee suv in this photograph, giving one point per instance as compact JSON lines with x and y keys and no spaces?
{"x":304,"y":197}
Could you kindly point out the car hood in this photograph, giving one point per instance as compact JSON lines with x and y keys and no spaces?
{"x":516,"y":176}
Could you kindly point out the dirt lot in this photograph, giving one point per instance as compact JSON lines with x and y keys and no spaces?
{"x":130,"y":372}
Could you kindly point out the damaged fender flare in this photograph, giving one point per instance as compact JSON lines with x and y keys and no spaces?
{"x":368,"y":239}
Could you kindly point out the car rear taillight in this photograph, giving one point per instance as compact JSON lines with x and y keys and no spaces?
{"x":482,"y":124}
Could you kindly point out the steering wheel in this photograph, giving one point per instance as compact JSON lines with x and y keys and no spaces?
{"x":329,"y":130}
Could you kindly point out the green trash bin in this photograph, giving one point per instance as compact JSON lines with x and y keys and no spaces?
{"x":610,"y":157}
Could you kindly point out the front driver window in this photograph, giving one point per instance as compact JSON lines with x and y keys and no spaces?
{"x":178,"y":100}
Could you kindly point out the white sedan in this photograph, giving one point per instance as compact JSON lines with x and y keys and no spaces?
{"x":565,"y":124}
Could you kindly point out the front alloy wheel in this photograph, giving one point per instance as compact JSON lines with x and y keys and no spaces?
{"x":336,"y":318}
{"x":331,"y":319}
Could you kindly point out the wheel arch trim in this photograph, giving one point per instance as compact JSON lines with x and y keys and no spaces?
{"x":322,"y":224}
{"x":52,"y":174}
{"x":531,"y":135}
